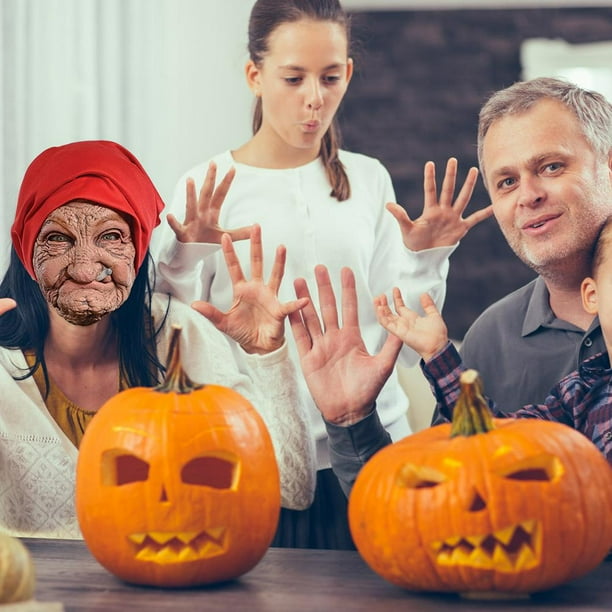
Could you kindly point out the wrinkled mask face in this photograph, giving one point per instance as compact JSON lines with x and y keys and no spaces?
{"x":84,"y":261}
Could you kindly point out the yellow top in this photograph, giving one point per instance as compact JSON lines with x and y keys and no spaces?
{"x":71,"y":419}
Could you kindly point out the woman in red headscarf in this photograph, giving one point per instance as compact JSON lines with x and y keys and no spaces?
{"x":81,"y":323}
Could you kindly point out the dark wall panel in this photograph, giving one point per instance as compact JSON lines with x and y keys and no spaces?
{"x":421,"y":77}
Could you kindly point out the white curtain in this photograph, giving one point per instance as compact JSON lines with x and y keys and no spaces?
{"x":162,"y":77}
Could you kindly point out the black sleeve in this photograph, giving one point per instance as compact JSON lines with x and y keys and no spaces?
{"x":351,"y":447}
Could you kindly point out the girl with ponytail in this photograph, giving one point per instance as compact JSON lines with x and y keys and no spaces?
{"x":325,"y":204}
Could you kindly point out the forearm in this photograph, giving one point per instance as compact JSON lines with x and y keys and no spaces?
{"x":351,"y":446}
{"x":443,"y":372}
{"x":278,"y":401}
{"x":179,"y":270}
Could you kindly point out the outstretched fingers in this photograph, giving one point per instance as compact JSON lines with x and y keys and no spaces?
{"x":449,"y":182}
{"x":212,"y":313}
{"x":305,"y":324}
{"x":429,"y":306}
{"x":327,"y":299}
{"x":466,"y":191}
{"x":430,"y":190}
{"x":207,"y":189}
{"x":350,"y":306}
{"x":278,"y":268}
{"x":212,"y":198}
{"x":256,"y":253}
{"x":232,"y":262}
{"x":383,"y":312}
{"x":480,"y":215}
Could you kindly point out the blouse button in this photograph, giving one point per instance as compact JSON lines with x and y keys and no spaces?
{"x":588,"y":342}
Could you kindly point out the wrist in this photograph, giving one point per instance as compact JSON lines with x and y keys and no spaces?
{"x":255,"y":349}
{"x":346,"y":418}
{"x":434,"y":352}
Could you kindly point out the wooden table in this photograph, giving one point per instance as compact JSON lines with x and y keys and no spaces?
{"x":286,"y":580}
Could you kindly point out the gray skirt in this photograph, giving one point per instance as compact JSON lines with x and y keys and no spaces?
{"x":323,"y":525}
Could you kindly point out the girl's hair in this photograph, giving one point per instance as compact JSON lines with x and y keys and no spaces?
{"x":26,"y":326}
{"x":266,"y":16}
{"x":592,"y":110}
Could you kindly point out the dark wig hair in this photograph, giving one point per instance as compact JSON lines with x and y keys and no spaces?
{"x":266,"y":16}
{"x":26,"y":327}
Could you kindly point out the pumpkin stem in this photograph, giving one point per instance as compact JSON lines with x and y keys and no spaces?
{"x":472,"y":414}
{"x":176,"y":380}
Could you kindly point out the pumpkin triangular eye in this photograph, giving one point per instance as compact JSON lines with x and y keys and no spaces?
{"x":215,"y":472}
{"x":120,"y":468}
{"x":414,"y":476}
{"x":540,"y":468}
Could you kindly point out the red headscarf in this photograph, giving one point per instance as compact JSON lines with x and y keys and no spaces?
{"x":98,"y":171}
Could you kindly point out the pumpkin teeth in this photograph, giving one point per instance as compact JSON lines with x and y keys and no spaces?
{"x":505,"y":535}
{"x":511,"y":548}
{"x":453,"y":541}
{"x":137,"y":538}
{"x":478,"y":558}
{"x":215,"y":533}
{"x":475,"y":540}
{"x":186,"y":536}
{"x":162,"y":537}
{"x":178,"y":547}
{"x":529,"y":526}
{"x":437,"y":545}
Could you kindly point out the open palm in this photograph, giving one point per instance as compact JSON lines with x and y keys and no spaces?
{"x":442,"y":222}
{"x":256,"y":318}
{"x":343,"y":378}
{"x":426,"y":334}
{"x":201,"y":223}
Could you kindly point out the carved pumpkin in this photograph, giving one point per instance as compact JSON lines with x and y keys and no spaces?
{"x":485,"y":505}
{"x":177,"y":485}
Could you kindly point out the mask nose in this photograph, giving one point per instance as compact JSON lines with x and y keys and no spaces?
{"x":84,"y":269}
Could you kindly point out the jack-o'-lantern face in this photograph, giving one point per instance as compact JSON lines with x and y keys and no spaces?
{"x":177,"y":489}
{"x":508,"y":510}
{"x":208,"y":472}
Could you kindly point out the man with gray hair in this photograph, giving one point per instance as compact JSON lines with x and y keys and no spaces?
{"x":545,"y":155}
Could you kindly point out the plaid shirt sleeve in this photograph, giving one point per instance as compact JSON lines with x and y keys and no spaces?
{"x":444,"y":369}
{"x":442,"y":372}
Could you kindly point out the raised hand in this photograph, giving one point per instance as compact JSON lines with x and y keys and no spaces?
{"x":427,"y":335}
{"x":7,"y":304}
{"x":201,"y":222}
{"x":442,"y":222}
{"x":343,"y":378}
{"x":256,"y":319}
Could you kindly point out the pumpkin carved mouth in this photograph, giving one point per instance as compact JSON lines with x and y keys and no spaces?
{"x":513,"y":548}
{"x":166,"y":547}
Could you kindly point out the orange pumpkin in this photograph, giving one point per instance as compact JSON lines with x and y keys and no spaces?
{"x":484,"y":505}
{"x":17,"y":575}
{"x":177,"y":485}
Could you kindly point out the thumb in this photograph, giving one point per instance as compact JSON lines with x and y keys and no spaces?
{"x":389,"y":352}
{"x":214,"y":315}
{"x":401,"y":216}
{"x":428,"y":304}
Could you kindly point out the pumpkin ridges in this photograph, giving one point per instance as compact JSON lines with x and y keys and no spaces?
{"x":167,"y":430}
{"x":515,"y":494}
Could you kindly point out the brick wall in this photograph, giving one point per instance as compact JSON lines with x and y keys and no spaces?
{"x":421,"y":77}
